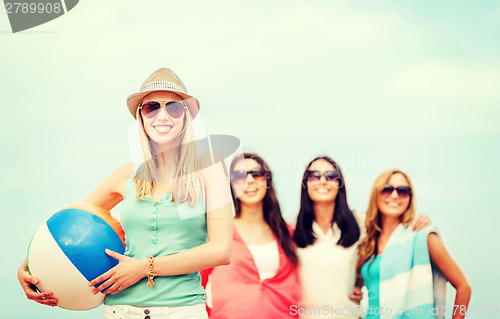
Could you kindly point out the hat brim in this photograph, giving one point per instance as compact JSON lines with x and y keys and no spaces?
{"x":135,"y":99}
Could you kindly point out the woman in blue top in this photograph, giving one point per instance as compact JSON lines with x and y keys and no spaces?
{"x":402,"y":269}
{"x":176,"y":216}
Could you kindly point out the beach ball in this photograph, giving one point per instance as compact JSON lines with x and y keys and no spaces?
{"x":67,"y":251}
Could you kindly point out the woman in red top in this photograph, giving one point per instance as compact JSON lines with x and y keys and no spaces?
{"x":261,"y":281}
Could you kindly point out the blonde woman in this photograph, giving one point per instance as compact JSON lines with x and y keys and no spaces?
{"x":400,"y":268}
{"x":176,"y":216}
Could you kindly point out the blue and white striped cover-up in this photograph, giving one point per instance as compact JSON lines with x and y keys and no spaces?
{"x":408,"y":280}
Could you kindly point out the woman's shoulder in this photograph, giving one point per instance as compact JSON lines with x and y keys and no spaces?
{"x":426,"y":231}
{"x":121,"y":174}
{"x":360,"y":217}
{"x":124,"y":171}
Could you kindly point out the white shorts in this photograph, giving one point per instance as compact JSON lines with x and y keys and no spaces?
{"x":130,"y":312}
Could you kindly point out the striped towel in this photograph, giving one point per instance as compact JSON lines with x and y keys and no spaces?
{"x":408,"y":280}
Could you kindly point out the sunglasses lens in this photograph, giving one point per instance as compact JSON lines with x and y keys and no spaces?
{"x":150,"y":109}
{"x":258,"y":175}
{"x":175,"y":109}
{"x":331,"y":175}
{"x":387,"y":190}
{"x":238,"y":176}
{"x":313,"y":176}
{"x":403,"y":191}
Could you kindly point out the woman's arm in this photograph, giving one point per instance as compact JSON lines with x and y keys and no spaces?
{"x":110,"y":191}
{"x":452,"y":272}
{"x":215,"y":252}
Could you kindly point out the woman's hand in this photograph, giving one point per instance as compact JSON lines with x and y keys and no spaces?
{"x":356,"y":295}
{"x":419,"y":222}
{"x":128,"y":271}
{"x":27,"y":281}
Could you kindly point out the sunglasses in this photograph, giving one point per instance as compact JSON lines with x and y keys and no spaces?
{"x":313,"y":176}
{"x":174,"y":109}
{"x":402,"y":191}
{"x":241,"y":176}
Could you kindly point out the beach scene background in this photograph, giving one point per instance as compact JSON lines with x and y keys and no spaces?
{"x":375,"y":85}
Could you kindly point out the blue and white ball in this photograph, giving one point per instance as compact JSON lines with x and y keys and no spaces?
{"x":67,"y":251}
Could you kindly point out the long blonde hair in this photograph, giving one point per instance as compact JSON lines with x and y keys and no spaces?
{"x":187,"y":184}
{"x":368,"y":247}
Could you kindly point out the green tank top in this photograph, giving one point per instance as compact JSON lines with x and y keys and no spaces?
{"x":161,"y":229}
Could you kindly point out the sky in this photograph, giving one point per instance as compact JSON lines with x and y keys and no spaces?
{"x":375,"y":85}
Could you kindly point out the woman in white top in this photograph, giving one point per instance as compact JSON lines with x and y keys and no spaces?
{"x":327,"y":234}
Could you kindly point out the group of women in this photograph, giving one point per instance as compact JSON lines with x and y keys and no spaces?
{"x":335,"y":250}
{"x":255,"y":264}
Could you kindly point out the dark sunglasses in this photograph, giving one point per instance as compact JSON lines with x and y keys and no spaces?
{"x":150,"y":109}
{"x":313,"y":176}
{"x":241,"y":176}
{"x":402,"y":191}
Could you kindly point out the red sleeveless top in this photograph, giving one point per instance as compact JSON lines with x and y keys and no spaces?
{"x":238,"y":292}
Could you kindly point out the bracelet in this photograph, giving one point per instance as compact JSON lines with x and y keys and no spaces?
{"x":151,"y":273}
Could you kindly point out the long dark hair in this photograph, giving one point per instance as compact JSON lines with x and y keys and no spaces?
{"x":271,"y":207}
{"x":342,"y":214}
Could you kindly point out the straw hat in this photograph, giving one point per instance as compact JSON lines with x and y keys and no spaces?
{"x":163,"y":80}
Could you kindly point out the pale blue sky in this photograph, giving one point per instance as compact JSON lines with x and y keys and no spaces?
{"x":374,"y":85}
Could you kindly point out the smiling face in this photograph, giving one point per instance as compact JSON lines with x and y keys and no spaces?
{"x":162,"y":128}
{"x":256,"y":189}
{"x":322,"y":190}
{"x":393,"y":204}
